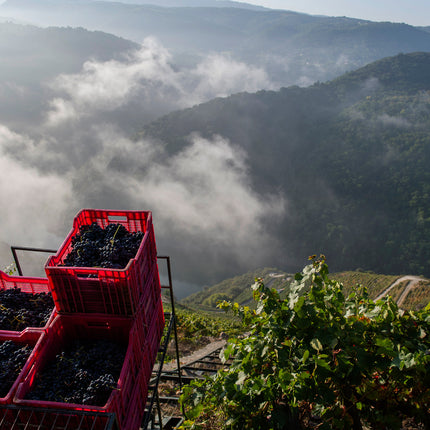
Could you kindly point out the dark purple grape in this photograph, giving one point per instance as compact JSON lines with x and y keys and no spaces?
{"x":84,"y":372}
{"x":19,"y":310}
{"x":111,"y":247}
{"x":13,"y":357}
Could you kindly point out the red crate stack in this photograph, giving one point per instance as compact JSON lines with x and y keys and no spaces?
{"x":122,"y":305}
{"x":88,"y":296}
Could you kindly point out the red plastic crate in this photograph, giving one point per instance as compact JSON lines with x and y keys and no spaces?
{"x":27,"y":285}
{"x":100,"y":290}
{"x":65,"y":328}
{"x":155,"y":332}
{"x":134,"y":418}
{"x":150,"y":300}
{"x":20,"y":418}
{"x":30,"y":336}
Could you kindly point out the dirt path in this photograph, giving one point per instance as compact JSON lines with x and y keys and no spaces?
{"x":412,"y":282}
{"x":196,"y":355}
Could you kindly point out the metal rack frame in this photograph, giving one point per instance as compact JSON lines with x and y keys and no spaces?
{"x":26,"y":248}
{"x":154,"y":399}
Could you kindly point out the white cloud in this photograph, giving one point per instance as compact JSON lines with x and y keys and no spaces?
{"x":393,"y":121}
{"x":205,"y":191}
{"x":202,"y":194}
{"x":32,"y":204}
{"x":61,"y":110}
{"x":219,"y":75}
{"x":147,"y":79}
{"x":371,"y":85}
{"x":44,"y":152}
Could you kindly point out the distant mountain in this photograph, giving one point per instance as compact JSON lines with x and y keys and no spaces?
{"x":33,"y":53}
{"x":292,"y":48}
{"x":194,"y":3}
{"x":350,"y":156}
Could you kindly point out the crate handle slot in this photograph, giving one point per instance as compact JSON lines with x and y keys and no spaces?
{"x":98,"y":324}
{"x":87,"y":276}
{"x":117,"y":218}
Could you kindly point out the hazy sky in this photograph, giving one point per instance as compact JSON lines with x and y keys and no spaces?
{"x":415,"y":12}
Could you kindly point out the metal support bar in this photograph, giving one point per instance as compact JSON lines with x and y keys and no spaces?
{"x":160,"y":418}
{"x":209,"y":361}
{"x":201,"y":369}
{"x":25,"y":248}
{"x":157,"y":379}
{"x":185,"y":379}
{"x":172,"y":303}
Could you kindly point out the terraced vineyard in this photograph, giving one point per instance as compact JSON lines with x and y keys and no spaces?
{"x":410,"y":292}
{"x":238,"y":289}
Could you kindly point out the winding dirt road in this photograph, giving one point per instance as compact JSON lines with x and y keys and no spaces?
{"x":412,"y":283}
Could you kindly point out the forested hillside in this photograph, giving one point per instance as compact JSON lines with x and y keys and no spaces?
{"x":350,"y":156}
{"x":30,"y":53}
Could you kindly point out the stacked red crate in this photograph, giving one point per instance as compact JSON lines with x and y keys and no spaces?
{"x":123,"y":305}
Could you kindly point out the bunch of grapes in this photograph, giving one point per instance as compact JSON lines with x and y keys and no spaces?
{"x":13,"y":356}
{"x":84,"y":373}
{"x":112,"y":247}
{"x":19,"y":310}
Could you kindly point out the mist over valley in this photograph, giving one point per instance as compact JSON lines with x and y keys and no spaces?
{"x":213,"y":119}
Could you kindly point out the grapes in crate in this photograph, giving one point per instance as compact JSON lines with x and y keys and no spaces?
{"x":84,"y":373}
{"x":111,"y":247}
{"x":13,"y":357}
{"x":19,"y":310}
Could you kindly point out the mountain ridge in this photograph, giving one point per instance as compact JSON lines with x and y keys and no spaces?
{"x":292,"y":47}
{"x":349,"y":155}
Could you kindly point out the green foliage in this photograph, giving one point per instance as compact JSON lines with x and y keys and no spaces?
{"x":10,"y":269}
{"x":192,"y":325}
{"x":345,"y":362}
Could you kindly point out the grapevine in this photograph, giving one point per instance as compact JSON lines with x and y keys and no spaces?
{"x":318,"y":359}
